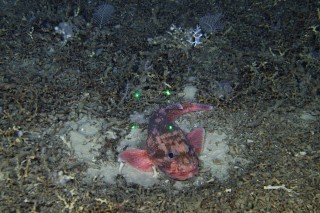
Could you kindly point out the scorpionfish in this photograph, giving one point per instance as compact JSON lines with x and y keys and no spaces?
{"x":168,"y":148}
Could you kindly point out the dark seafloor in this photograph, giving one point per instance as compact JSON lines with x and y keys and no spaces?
{"x":261,"y":73}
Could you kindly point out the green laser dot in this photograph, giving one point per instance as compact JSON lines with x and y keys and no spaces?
{"x":167,"y":92}
{"x":136,"y":94}
{"x":133,"y":127}
{"x":170,"y":127}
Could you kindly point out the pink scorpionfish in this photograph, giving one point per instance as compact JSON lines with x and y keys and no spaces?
{"x":168,"y":148}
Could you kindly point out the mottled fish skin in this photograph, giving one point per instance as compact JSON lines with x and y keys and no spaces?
{"x":168,"y":147}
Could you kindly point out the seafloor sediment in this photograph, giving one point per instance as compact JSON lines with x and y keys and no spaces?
{"x":76,"y":91}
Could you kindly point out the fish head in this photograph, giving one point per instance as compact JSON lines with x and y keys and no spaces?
{"x":181,"y":165}
{"x":173,"y":155}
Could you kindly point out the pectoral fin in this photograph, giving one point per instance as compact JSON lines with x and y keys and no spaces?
{"x":137,"y":158}
{"x":196,"y":139}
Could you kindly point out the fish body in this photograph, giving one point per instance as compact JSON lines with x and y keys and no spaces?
{"x":168,"y":148}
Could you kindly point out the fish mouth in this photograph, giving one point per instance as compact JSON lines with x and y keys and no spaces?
{"x":184,"y":175}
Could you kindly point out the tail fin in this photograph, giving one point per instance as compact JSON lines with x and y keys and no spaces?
{"x":176,"y":110}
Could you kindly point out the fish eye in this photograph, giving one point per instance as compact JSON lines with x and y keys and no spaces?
{"x":171,"y":155}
